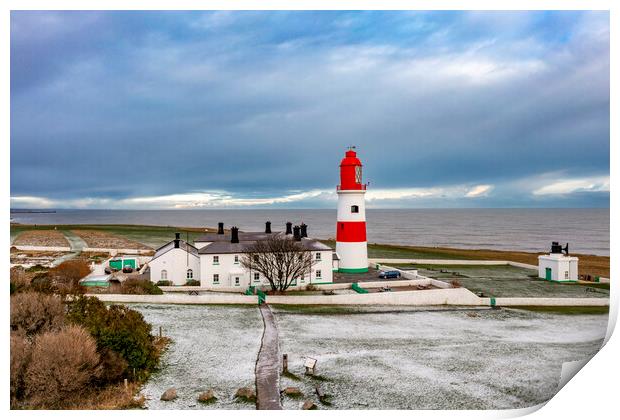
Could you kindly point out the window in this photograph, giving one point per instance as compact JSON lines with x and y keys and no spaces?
{"x":566,"y":275}
{"x":358,"y":174}
{"x":301,"y":278}
{"x":355,"y":209}
{"x":256,"y":276}
{"x":190,"y":274}
{"x":164,"y":275}
{"x":317,"y":256}
{"x":236,"y":259}
{"x":318,"y":274}
{"x":236,"y":281}
{"x":216,"y":279}
{"x":255,"y":258}
{"x":216,"y":259}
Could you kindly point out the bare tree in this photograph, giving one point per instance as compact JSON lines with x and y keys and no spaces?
{"x":280,"y":259}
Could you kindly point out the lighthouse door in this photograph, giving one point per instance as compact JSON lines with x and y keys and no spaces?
{"x":547,"y":273}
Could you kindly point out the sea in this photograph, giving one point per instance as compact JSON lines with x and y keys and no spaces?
{"x":586,"y":230}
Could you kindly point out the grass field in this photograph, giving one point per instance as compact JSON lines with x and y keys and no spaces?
{"x":457,"y":359}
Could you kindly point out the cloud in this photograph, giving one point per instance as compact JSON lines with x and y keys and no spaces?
{"x":575,"y":185}
{"x":479,"y":191}
{"x":254,"y":106}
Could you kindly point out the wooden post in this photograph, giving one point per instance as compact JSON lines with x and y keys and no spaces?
{"x":126,"y":385}
{"x":285,"y":363}
{"x":160,"y":331}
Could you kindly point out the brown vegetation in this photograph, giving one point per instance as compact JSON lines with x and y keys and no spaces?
{"x":63,"y":363}
{"x":41,"y":238}
{"x":33,"y":313}
{"x":67,"y":275}
{"x":99,"y":239}
{"x":20,"y":356}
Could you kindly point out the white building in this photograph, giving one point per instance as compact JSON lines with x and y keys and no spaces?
{"x":176,"y":262}
{"x":215,"y":259}
{"x":558,"y":266}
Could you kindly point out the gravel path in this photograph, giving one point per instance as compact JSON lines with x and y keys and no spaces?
{"x":268,"y":365}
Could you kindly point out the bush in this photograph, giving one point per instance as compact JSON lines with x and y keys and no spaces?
{"x":33,"y":313}
{"x":118,"y":328}
{"x":20,"y":279}
{"x":62,"y":365}
{"x":164,"y":283}
{"x":192,"y":283}
{"x":113,"y":366}
{"x":20,"y":356}
{"x":455,"y":284}
{"x":67,"y":275}
{"x":140,"y":287}
{"x":311,"y":288}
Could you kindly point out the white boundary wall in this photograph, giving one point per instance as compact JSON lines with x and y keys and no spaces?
{"x":42,"y":248}
{"x":374,"y":261}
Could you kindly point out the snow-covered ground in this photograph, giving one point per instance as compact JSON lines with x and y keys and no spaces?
{"x":213,"y":347}
{"x":434,"y":359}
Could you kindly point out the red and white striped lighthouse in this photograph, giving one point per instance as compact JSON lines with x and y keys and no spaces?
{"x":351,"y":225}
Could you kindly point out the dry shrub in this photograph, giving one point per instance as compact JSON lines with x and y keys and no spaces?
{"x":134,"y":286}
{"x":20,"y":356}
{"x":67,"y":275}
{"x":62,"y":365}
{"x":455,"y":284}
{"x":20,"y":279}
{"x":112,"y":367}
{"x":33,"y":313}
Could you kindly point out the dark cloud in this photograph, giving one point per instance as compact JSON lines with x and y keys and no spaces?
{"x":116,"y":105}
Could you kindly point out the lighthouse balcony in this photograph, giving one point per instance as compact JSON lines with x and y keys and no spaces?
{"x":352,"y":187}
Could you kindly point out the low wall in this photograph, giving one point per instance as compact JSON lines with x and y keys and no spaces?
{"x":459,"y":296}
{"x":374,"y":261}
{"x":119,"y":250}
{"x":42,"y":248}
{"x":394,"y":283}
{"x":548,"y":301}
{"x":180,"y":299}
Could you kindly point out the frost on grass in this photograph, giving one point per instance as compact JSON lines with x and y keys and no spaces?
{"x":433,"y":359}
{"x":213,"y":347}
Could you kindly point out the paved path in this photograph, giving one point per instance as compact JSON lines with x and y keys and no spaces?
{"x":268,"y":365}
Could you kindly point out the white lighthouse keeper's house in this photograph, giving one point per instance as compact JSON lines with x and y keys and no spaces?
{"x":351,"y":245}
{"x":558,"y":266}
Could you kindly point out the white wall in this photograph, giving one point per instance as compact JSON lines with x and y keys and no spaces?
{"x":175,"y":262}
{"x":348,"y":198}
{"x":559,"y":264}
{"x":228,"y":270}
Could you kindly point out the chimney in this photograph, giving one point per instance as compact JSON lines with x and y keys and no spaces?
{"x":234,"y":235}
{"x":220,"y":228}
{"x":267,"y":227}
{"x":289,"y":227}
{"x":177,"y":235}
{"x":556,"y":248}
{"x":297,"y":233}
{"x":177,"y":239}
{"x":304,"y":230}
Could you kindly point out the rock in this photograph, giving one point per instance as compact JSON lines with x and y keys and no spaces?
{"x":245,"y":393}
{"x":292,"y":391}
{"x":207,"y":396}
{"x":308,"y":405}
{"x":169,"y":395}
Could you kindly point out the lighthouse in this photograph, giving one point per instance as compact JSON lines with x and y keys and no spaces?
{"x":351,"y":225}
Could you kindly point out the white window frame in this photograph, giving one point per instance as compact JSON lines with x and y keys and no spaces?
{"x":216,"y":260}
{"x":216,"y":278}
{"x":318,"y":274}
{"x":317,"y":256}
{"x":237,"y":281}
{"x":256,"y":277}
{"x":236,"y":259}
{"x":164,"y":275}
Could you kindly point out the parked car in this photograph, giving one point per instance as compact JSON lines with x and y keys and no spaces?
{"x":393,"y":274}
{"x":128,"y":269}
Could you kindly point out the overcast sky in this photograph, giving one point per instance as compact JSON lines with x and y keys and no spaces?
{"x":238,"y":109}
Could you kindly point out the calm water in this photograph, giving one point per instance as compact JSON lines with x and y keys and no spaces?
{"x":587,"y":230}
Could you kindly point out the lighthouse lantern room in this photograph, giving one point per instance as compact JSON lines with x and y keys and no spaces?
{"x":351,"y":226}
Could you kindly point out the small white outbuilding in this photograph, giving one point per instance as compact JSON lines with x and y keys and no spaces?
{"x":558,"y":266}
